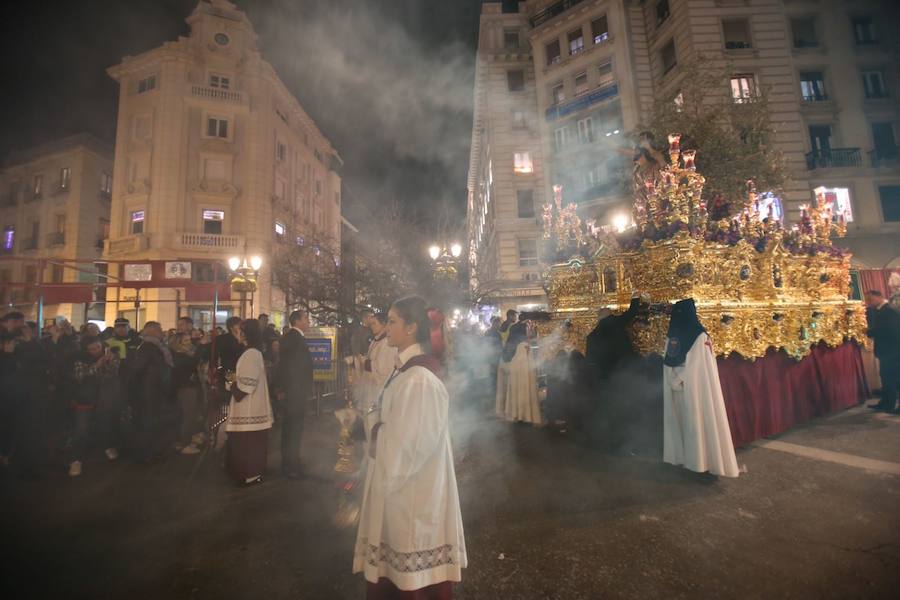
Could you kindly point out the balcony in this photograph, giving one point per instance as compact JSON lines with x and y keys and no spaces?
{"x":833,"y":158}
{"x":210,"y":93}
{"x":885,"y":157}
{"x":57,"y":238}
{"x":208,"y":241}
{"x":558,"y":111}
{"x":131,"y":243}
{"x":552,"y":11}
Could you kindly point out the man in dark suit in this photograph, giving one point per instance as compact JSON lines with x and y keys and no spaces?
{"x":295,"y":384}
{"x":884,"y":329}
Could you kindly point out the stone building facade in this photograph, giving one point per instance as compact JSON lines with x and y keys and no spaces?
{"x":828,"y":66}
{"x":54,"y":204}
{"x":214,"y":158}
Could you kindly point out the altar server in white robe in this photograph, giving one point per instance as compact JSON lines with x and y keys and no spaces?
{"x":697,"y":435}
{"x":378,"y":366}
{"x":410,"y":541}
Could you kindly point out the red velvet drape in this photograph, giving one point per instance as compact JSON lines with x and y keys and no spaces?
{"x":874,"y":279}
{"x":776,"y":392}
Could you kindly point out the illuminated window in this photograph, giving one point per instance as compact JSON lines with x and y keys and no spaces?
{"x":743,"y":87}
{"x":600,"y":30}
{"x":837,"y":199}
{"x":9,"y":238}
{"x":522,"y":162}
{"x":212,"y":221}
{"x":137,"y":221}
{"x":64,"y":175}
{"x":768,"y":206}
{"x":812,"y":86}
{"x":38,"y":185}
{"x":279,"y":231}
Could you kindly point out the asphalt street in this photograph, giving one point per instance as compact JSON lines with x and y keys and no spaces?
{"x":815,"y":515}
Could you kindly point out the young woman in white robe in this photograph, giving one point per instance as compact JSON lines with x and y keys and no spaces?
{"x":249,"y":412}
{"x":696,"y":431}
{"x":410,"y":536}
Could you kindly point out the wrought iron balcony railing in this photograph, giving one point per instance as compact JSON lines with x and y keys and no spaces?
{"x":552,"y":11}
{"x":558,"y":111}
{"x":834,"y":157}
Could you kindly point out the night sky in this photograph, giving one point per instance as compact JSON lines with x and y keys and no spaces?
{"x":389,"y":82}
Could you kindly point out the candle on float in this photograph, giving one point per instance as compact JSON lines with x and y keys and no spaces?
{"x":674,"y":142}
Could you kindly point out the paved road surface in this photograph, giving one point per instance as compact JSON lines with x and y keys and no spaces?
{"x":817,"y":515}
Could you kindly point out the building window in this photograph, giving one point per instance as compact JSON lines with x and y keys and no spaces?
{"x":736,"y":33}
{"x":804,"y":33}
{"x":559,"y":94}
{"x":518,"y":119}
{"x":528,"y":253}
{"x":522,"y":163}
{"x":219,"y":81}
{"x":560,"y":136}
{"x":662,"y":12}
{"x":511,"y":39}
{"x":318,"y":187}
{"x":581,"y":84}
{"x":217,"y":128}
{"x":279,"y":231}
{"x":595,"y":177}
{"x":837,"y":199}
{"x":104,"y":231}
{"x":64,"y":178}
{"x":605,"y":75}
{"x":56,"y":274}
{"x":668,"y":57}
{"x":515,"y":80}
{"x":137,"y":221}
{"x":13,"y":198}
{"x":9,"y":239}
{"x":280,"y":151}
{"x":61,"y":224}
{"x":576,"y":41}
{"x":873,"y":84}
{"x":106,"y":184}
{"x":890,"y":202}
{"x":884,"y":140}
{"x":553,"y":52}
{"x":743,"y":87}
{"x":212,"y":221}
{"x":525,"y":203}
{"x":864,"y":31}
{"x":147,"y":84}
{"x":586,"y":130}
{"x":600,"y":30}
{"x":812,"y":86}
{"x":38,"y":186}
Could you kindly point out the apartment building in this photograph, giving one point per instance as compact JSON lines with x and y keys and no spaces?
{"x":214,"y":158}
{"x":828,"y":67}
{"x":507,"y":182}
{"x":54,"y":204}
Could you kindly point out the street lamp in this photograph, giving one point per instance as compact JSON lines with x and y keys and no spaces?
{"x":445,"y":257}
{"x":244,"y":275}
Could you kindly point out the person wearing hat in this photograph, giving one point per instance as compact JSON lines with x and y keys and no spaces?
{"x":123,"y":341}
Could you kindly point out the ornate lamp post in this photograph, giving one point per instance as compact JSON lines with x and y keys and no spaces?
{"x":445,"y":258}
{"x":244,"y":274}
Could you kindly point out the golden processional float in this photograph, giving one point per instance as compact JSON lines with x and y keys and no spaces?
{"x":756,"y":284}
